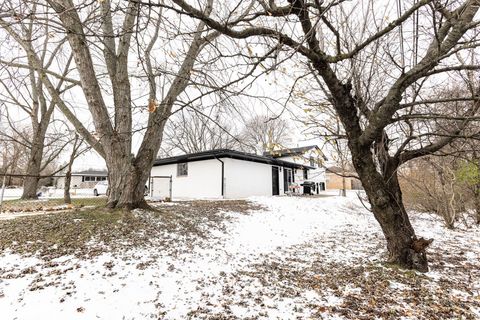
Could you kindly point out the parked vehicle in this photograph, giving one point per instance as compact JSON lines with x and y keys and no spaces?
{"x":102,"y":188}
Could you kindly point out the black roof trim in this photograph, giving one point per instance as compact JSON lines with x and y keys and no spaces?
{"x":227,"y":153}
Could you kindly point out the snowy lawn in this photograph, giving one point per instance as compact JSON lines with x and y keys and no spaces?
{"x":269,"y":258}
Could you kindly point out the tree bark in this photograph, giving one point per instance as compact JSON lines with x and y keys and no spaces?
{"x":385,"y":197}
{"x":126,"y":185}
{"x":30,"y":183}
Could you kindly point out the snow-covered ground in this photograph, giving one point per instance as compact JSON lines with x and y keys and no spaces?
{"x":298,"y":258}
{"x":48,"y":193}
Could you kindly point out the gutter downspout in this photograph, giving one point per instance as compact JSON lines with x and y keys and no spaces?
{"x":223,"y":176}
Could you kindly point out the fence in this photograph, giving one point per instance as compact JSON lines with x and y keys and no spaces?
{"x":50,"y":193}
{"x":160,"y":188}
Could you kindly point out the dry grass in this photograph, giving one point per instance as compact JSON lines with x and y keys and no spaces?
{"x":12,"y":206}
{"x":90,"y":232}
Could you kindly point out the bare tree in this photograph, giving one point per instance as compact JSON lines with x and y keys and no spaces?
{"x":192,"y":131}
{"x":467,"y":156}
{"x":26,"y":93}
{"x":343,"y":44}
{"x":263,"y":133}
{"x":119,"y":28}
{"x":322,"y":123}
{"x":14,"y":154}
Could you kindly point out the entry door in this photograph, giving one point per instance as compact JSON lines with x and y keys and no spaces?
{"x":275,"y":186}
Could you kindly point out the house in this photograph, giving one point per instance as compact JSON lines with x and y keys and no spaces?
{"x":336,"y":178}
{"x":84,"y":179}
{"x":309,"y":155}
{"x":224,"y":173}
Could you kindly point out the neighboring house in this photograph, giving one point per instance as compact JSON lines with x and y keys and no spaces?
{"x":310,"y":156}
{"x":335,"y":179}
{"x":84,"y":179}
{"x":225,"y":174}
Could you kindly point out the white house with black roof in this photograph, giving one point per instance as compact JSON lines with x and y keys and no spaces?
{"x":84,"y":179}
{"x":226,"y":174}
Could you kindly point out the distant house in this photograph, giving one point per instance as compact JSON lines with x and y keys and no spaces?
{"x":309,"y":155}
{"x":336,"y":177}
{"x":84,"y":179}
{"x":225,"y":174}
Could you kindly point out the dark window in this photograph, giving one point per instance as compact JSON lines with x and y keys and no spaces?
{"x":312,"y":162}
{"x":275,"y":184}
{"x":305,"y":174}
{"x":182,"y":169}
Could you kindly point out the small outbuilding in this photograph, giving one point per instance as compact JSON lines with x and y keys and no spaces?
{"x":226,"y":174}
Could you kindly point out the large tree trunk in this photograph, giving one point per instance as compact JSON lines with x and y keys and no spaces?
{"x":128,"y":175}
{"x":127,"y":187}
{"x":385,"y":197}
{"x":126,"y":183}
{"x":30,"y":183}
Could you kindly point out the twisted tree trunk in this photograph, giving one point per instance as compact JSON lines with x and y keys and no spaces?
{"x":126,"y":184}
{"x":385,"y":196}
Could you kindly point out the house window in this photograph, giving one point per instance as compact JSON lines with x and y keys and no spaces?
{"x":305,"y":174}
{"x":312,"y":162}
{"x":182,"y":169}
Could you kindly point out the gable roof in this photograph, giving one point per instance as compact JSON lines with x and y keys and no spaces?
{"x":293,"y":152}
{"x":227,"y":153}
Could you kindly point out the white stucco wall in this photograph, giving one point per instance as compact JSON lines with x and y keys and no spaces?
{"x":202,"y":181}
{"x":245,"y":178}
{"x":241,"y":179}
